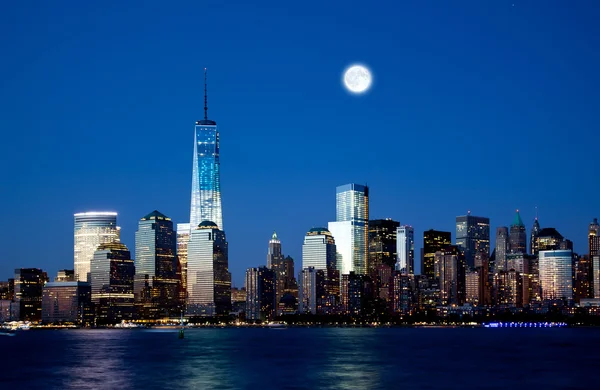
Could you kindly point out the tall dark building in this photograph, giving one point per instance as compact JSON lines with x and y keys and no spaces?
{"x":550,"y":239}
{"x":450,"y":271}
{"x":382,"y":243}
{"x":518,"y":236}
{"x":156,"y":284}
{"x":360,"y":295}
{"x":535,"y":233}
{"x":473,"y":236}
{"x":594,"y":257}
{"x":112,"y":273}
{"x":433,"y":241}
{"x":67,"y":302}
{"x":276,"y":263}
{"x":502,"y":245}
{"x":29,"y":284}
{"x":260,"y":294}
{"x":582,"y":287}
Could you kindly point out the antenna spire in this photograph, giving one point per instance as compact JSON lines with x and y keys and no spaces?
{"x":205,"y":99}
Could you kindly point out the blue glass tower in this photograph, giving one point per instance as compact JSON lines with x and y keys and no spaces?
{"x":206,"y":177}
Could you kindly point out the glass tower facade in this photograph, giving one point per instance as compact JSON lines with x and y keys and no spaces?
{"x":156,"y":279}
{"x":92,"y":229}
{"x":319,"y":252}
{"x":473,"y":236}
{"x":501,"y":248}
{"x":206,"y":177}
{"x":183,"y":237}
{"x":208,"y":277}
{"x":405,"y":262}
{"x":29,"y":283}
{"x":351,"y":228}
{"x":433,"y":241}
{"x":382,"y":244}
{"x":556,"y":274}
{"x":260,"y":294}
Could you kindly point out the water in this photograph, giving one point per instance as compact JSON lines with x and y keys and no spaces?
{"x":302,"y":358}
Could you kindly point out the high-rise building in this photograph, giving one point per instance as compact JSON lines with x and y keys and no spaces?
{"x":29,"y":283}
{"x":260,"y":294}
{"x":275,"y":262}
{"x":518,"y":236}
{"x":183,"y":238}
{"x":433,"y":241}
{"x":405,"y":243}
{"x":311,"y":290}
{"x":206,"y":176}
{"x":502,"y":244}
{"x":472,"y":287}
{"x":112,"y":273}
{"x":535,"y":233}
{"x":473,"y":236}
{"x":508,"y":288}
{"x":549,"y":239}
{"x":594,"y":256}
{"x":382,"y":243}
{"x":319,"y":252}
{"x":450,"y":270}
{"x":351,"y":228}
{"x":66,"y":302}
{"x":583,"y":279}
{"x":92,"y":229}
{"x":65,"y":275}
{"x":156,"y":284}
{"x":403,"y":293}
{"x":208,"y":277}
{"x":360,"y":295}
{"x":556,"y":274}
{"x":288,"y":303}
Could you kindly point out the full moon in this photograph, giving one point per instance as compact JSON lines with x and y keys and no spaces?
{"x":357,"y":79}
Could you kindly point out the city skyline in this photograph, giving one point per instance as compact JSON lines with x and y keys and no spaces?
{"x":490,"y":102}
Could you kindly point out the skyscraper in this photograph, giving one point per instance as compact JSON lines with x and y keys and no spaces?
{"x":473,"y":236}
{"x":535,"y":232}
{"x":206,"y":177}
{"x":502,"y":243}
{"x":351,"y":228}
{"x":156,"y":281}
{"x":183,"y":238}
{"x":260,"y":294}
{"x":311,"y":290}
{"x":556,"y":274}
{"x":382,"y":243}
{"x":65,"y":301}
{"x":594,"y":256}
{"x":275,"y":262}
{"x":29,"y":283}
{"x":518,"y":236}
{"x":112,"y":273}
{"x":208,"y":277}
{"x":449,"y":269}
{"x":433,"y":241}
{"x":319,"y":252}
{"x":92,"y":229}
{"x":549,"y":239}
{"x":405,"y":244}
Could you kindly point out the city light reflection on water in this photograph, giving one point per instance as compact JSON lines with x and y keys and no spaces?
{"x":301,"y":358}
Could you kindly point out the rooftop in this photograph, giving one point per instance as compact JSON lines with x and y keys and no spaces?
{"x":156,"y":215}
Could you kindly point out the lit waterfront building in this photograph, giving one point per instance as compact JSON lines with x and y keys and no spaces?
{"x":92,"y":229}
{"x":473,"y":236}
{"x":433,"y":241}
{"x":549,"y":239}
{"x":29,"y":283}
{"x":206,"y":172}
{"x":183,"y":238}
{"x":350,"y":230}
{"x":260,"y":294}
{"x":319,"y":252}
{"x":472,"y":287}
{"x":311,"y":291}
{"x":208,"y":277}
{"x":508,"y":287}
{"x":450,"y":272}
{"x":594,"y":255}
{"x":556,"y":274}
{"x":275,"y":262}
{"x":518,"y":236}
{"x":405,"y":236}
{"x":65,"y":275}
{"x":382,"y":244}
{"x":403,"y":293}
{"x":66,"y":301}
{"x":112,"y":273}
{"x":502,"y":244}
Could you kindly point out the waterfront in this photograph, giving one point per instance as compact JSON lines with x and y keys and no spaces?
{"x":302,"y":358}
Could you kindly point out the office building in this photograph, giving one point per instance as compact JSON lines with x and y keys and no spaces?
{"x":382,"y":243}
{"x":7,"y":290}
{"x":92,"y":229}
{"x":556,"y":274}
{"x":518,"y":236}
{"x":208,"y":278}
{"x":350,"y":230}
{"x":405,"y":243}
{"x":403,"y":293}
{"x":433,"y":241}
{"x":206,"y":172}
{"x":508,"y":288}
{"x":183,"y":238}
{"x":275,"y":262}
{"x":319,"y":252}
{"x":112,"y":276}
{"x":65,"y":275}
{"x":311,"y":291}
{"x":594,"y":256}
{"x":260,"y":294}
{"x":156,"y":285}
{"x":535,"y":233}
{"x":549,"y":239}
{"x":472,"y":236}
{"x":66,"y":302}
{"x":502,"y":248}
{"x":449,"y":267}
{"x":29,"y":283}
{"x":472,"y":287}
{"x":360,"y":295}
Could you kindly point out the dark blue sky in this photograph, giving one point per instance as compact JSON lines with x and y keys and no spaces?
{"x":476,"y":105}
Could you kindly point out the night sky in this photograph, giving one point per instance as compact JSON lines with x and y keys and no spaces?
{"x":486,"y":106}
